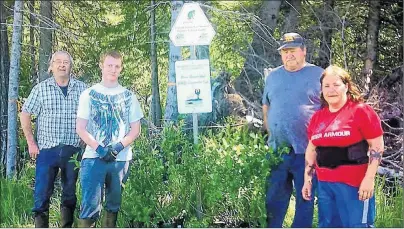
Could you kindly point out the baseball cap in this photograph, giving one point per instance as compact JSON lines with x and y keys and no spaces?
{"x":291,"y":40}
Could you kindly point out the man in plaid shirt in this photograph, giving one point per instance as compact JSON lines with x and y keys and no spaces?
{"x":54,"y":102}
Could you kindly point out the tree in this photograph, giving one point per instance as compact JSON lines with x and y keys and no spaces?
{"x":262,"y":52}
{"x":372,"y":37}
{"x":155,"y":110}
{"x":291,"y":21}
{"x":4,"y":70}
{"x":13,"y":90}
{"x":202,"y":51}
{"x":33,"y":74}
{"x":171,"y":111}
{"x":45,"y":40}
{"x":325,"y":43}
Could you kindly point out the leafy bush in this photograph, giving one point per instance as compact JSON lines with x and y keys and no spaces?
{"x":225,"y":175}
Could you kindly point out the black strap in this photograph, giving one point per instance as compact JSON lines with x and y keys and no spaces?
{"x":332,"y":157}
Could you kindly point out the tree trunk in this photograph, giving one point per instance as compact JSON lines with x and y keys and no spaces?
{"x":372,"y":35}
{"x":156,"y":106}
{"x":202,"y":51}
{"x":171,"y":111}
{"x":45,"y":42}
{"x":262,"y":52}
{"x":4,"y":71}
{"x":292,"y":19}
{"x":13,"y":90}
{"x":33,"y":75}
{"x":326,"y":41}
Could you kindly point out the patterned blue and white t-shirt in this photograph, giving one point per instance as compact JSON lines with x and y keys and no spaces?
{"x":109,"y":112}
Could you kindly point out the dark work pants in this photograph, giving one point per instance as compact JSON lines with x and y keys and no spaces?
{"x":288,"y":174}
{"x":48,"y":164}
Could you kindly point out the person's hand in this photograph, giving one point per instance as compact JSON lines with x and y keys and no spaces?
{"x":33,"y":150}
{"x":366,"y":189}
{"x":113,"y":151}
{"x":306,"y":190}
{"x":110,"y":153}
{"x":118,"y":147}
{"x":110,"y":156}
{"x":103,"y":153}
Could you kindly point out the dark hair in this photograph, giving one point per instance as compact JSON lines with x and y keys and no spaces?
{"x":353,"y":91}
{"x":112,"y":53}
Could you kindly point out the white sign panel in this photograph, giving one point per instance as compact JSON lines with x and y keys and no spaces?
{"x":193,"y":86}
{"x":191,"y":27}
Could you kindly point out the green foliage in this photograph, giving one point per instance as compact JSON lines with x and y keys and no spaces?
{"x":237,"y":173}
{"x":16,"y":201}
{"x":389,"y":206}
{"x":144,"y":185}
{"x":229,"y":167}
{"x":229,"y":19}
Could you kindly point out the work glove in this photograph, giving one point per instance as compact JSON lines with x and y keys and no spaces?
{"x":112,"y":152}
{"x":102,"y":151}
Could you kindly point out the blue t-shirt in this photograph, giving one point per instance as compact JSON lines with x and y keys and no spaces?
{"x":64,"y":90}
{"x":292,"y":97}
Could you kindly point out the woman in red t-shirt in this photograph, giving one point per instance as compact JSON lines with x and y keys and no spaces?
{"x":345,"y":148}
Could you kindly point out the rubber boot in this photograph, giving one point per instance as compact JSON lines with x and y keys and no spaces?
{"x":86,"y":223}
{"x":42,"y":219}
{"x":66,"y":216}
{"x":109,"y":220}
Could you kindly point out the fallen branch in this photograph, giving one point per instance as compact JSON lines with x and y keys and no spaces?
{"x":391,"y":173}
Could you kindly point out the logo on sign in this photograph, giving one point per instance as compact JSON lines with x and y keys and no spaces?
{"x":191,"y":14}
{"x":191,"y":27}
{"x":289,"y":38}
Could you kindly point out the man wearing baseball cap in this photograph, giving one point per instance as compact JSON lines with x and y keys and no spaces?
{"x":291,"y":96}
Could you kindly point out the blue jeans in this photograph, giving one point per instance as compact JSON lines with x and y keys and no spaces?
{"x":280,"y":189}
{"x":48,"y":163}
{"x":339,"y":206}
{"x":94,"y":174}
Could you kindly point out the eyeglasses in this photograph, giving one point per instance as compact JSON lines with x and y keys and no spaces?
{"x":59,"y":62}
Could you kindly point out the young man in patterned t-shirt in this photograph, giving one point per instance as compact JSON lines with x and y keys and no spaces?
{"x":108,"y":120}
{"x":54,"y":102}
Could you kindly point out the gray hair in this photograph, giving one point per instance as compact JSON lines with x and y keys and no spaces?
{"x":53,"y":58}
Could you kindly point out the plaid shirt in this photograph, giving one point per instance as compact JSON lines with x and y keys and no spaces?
{"x":56,"y":112}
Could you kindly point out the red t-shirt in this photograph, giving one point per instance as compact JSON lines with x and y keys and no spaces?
{"x":351,"y":124}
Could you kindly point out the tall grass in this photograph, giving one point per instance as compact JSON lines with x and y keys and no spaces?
{"x":389,"y":205}
{"x":16,"y":201}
